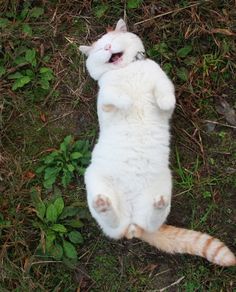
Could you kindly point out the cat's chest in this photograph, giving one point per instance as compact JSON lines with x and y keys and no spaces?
{"x":135,"y":80}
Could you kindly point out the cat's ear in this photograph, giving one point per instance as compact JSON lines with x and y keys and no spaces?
{"x":85,"y":49}
{"x":121,"y":26}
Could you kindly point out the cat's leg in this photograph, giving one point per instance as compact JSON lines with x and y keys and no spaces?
{"x":164,"y":92}
{"x":160,"y":210}
{"x":101,"y":197}
{"x":160,"y":200}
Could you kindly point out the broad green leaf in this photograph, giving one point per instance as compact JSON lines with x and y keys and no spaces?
{"x":56,"y":251}
{"x":30,"y":56}
{"x":78,"y":145}
{"x":51,"y":213}
{"x":81,"y":170}
{"x":49,"y":182}
{"x":70,"y":167}
{"x":19,"y":60}
{"x":16,"y":75}
{"x":41,"y":209}
{"x":133,"y":3}
{"x":51,"y":157}
{"x":50,"y":237}
{"x":26,"y":28}
{"x":76,"y":155}
{"x":162,"y":49}
{"x":51,"y":172}
{"x":76,"y":237}
{"x":183,"y":52}
{"x":74,"y":223}
{"x":69,"y":212}
{"x":30,"y":73}
{"x":69,"y":250}
{"x":167,"y":68}
{"x":59,"y":228}
{"x":45,"y":70}
{"x":44,"y":83}
{"x":20,"y":82}
{"x":182,"y":73}
{"x":46,"y":73}
{"x":36,"y":12}
{"x":40,"y":169}
{"x":4,"y":22}
{"x":66,"y":178}
{"x":100,"y":10}
{"x":2,"y":71}
{"x":66,"y":142}
{"x":24,"y":13}
{"x":59,"y":205}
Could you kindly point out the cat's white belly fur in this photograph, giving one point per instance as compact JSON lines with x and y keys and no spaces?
{"x":131,"y":156}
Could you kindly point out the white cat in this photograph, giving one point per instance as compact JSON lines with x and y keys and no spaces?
{"x":129,"y":180}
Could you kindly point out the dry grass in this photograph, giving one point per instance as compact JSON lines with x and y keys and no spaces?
{"x":203,"y":139}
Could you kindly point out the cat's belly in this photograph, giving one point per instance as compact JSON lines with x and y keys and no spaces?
{"x":125,"y":151}
{"x":136,"y":166}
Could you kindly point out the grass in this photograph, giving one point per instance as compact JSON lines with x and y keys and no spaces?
{"x":46,"y":95}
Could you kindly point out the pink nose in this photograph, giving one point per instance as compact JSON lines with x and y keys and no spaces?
{"x":107,"y":47}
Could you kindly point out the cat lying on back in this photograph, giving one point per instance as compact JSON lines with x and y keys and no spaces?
{"x":129,"y":182}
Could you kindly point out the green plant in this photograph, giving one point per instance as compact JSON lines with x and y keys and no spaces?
{"x":58,"y":225}
{"x":40,"y":76}
{"x":70,"y":160}
{"x":22,"y":64}
{"x":211,"y":62}
{"x":160,"y":49}
{"x":186,"y":176}
{"x":206,"y":194}
{"x":131,"y":4}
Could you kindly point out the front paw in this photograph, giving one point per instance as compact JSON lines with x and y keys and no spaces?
{"x":166,"y":102}
{"x":108,"y":108}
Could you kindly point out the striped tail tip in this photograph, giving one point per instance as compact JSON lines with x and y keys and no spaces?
{"x":218,"y":253}
{"x":179,"y":240}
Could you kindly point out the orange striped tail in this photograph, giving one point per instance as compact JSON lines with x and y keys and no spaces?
{"x":179,"y":240}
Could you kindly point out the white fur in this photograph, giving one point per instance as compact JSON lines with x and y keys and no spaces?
{"x":130,"y":162}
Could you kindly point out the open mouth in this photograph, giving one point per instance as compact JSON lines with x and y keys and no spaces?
{"x":115,"y":57}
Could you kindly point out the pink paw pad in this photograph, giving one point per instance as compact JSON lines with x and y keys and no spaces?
{"x":101,"y":203}
{"x":160,"y":203}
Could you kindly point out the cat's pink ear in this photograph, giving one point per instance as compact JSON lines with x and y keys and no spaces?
{"x":85,"y":49}
{"x":121,"y":26}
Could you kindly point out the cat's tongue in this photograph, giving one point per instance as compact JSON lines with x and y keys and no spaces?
{"x":115,"y":57}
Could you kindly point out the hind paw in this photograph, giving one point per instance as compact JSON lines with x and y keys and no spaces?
{"x":160,"y":202}
{"x":101,"y":203}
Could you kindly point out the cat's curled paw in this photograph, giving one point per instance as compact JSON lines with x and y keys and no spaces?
{"x":166,"y":102}
{"x":108,"y":108}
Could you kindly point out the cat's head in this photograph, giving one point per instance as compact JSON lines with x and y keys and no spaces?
{"x":114,"y":50}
